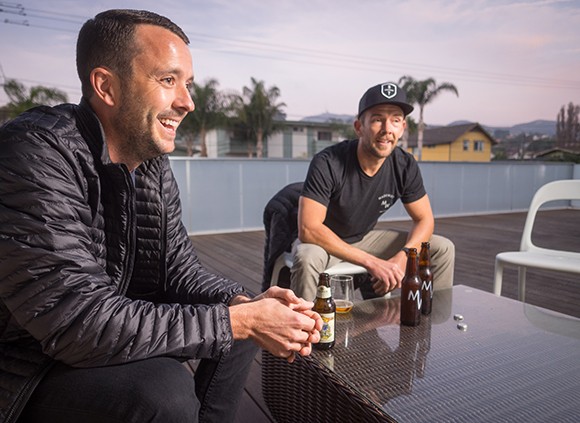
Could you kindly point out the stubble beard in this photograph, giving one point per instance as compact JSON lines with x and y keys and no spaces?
{"x":380,"y":153}
{"x":137,"y":143}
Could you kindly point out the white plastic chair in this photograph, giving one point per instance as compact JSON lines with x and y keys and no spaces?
{"x":531,"y":255}
{"x":342,"y":268}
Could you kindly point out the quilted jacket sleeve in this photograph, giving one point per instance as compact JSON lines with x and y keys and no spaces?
{"x":53,"y":278}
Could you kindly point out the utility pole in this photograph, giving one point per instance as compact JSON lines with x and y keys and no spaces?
{"x":2,"y":82}
{"x":523,"y":146}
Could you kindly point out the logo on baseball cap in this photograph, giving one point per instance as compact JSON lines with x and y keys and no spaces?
{"x":387,"y":93}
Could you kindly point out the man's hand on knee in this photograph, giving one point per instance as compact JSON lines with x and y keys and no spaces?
{"x":386,"y":275}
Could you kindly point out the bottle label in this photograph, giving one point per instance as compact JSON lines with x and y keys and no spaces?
{"x":427,"y":286}
{"x":323,"y":292}
{"x":327,"y":332}
{"x":415,"y":296}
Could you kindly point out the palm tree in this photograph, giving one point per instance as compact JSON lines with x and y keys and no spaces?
{"x":422,"y":93}
{"x":209,"y":114}
{"x":22,"y":100}
{"x":257,"y":108}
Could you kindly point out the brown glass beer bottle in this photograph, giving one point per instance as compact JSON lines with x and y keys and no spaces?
{"x":426,"y":278}
{"x":411,"y":292}
{"x":324,"y":305}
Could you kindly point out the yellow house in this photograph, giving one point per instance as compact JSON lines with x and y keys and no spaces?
{"x":469,"y":142}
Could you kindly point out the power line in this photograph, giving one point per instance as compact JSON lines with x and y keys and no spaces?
{"x":271,"y":51}
{"x":317,"y":54}
{"x":19,"y":9}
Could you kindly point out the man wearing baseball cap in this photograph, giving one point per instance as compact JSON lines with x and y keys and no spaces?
{"x":349,"y":186}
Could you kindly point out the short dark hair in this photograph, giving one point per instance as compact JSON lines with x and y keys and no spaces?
{"x":108,"y":40}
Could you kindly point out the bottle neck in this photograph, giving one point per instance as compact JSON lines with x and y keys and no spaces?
{"x":323,"y":292}
{"x":425,"y":255}
{"x":411,"y":263}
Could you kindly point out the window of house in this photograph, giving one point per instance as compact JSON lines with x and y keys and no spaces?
{"x":465,"y":145}
{"x":478,"y":146}
{"x":324,"y":136}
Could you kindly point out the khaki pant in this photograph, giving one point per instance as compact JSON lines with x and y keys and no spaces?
{"x":310,"y":260}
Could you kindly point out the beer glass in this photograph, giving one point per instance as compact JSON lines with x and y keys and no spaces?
{"x":342,"y":289}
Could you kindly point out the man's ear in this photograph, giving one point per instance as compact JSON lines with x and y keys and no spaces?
{"x":105,"y":86}
{"x":357,"y":125}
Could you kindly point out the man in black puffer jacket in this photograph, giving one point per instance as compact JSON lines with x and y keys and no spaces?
{"x":101,"y":293}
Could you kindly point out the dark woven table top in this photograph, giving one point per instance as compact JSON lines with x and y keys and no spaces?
{"x":514,"y":362}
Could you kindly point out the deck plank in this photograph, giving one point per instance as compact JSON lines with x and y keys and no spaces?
{"x":477,"y":239}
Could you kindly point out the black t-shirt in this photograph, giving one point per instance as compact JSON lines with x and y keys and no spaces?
{"x":354,"y":200}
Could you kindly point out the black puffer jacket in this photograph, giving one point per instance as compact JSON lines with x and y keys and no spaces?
{"x":95,"y":269}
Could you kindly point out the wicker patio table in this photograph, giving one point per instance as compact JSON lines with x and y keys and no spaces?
{"x":477,"y":358}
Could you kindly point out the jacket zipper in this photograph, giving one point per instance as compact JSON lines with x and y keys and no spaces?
{"x":163,"y":258}
{"x":25,"y":393}
{"x":129,"y":260}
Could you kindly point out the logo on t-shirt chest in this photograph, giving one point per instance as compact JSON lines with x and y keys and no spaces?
{"x":385,"y":202}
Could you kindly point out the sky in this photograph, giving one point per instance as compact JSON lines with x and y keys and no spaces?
{"x":511,"y":61}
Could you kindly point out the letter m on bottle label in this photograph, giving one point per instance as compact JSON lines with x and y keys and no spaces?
{"x":415,"y":296}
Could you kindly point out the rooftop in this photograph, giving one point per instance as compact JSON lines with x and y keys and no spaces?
{"x":448,"y":134}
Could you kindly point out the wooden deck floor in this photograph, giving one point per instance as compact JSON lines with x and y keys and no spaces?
{"x":477,"y":239}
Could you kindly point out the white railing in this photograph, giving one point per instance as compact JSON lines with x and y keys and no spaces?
{"x":229,"y":195}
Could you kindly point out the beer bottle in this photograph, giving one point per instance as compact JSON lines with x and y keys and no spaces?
{"x":324,"y":305}
{"x":426,"y":278}
{"x":411,"y":292}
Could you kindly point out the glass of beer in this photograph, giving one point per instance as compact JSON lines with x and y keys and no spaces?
{"x":342,"y":289}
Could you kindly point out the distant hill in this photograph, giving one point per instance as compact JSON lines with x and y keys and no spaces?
{"x":545,"y":127}
{"x":541,"y":127}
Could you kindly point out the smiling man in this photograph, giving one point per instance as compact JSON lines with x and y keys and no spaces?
{"x":349,"y":186}
{"x":140,"y":106}
{"x":102,"y":296}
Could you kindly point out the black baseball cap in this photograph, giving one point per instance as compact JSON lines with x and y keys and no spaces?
{"x":386,"y":93}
